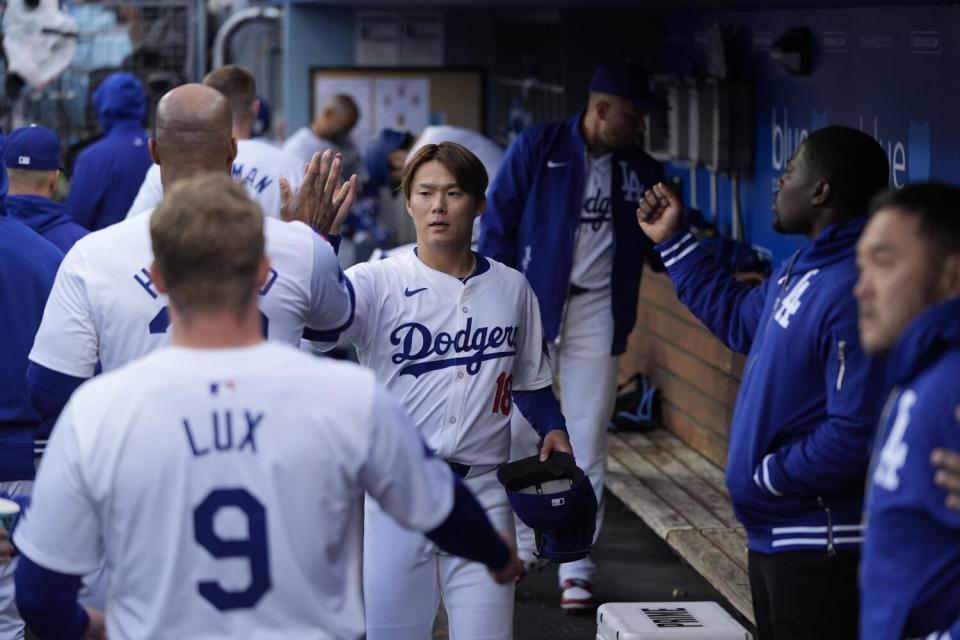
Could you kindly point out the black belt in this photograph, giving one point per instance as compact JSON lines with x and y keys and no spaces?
{"x":576,"y":291}
{"x":460,"y":469}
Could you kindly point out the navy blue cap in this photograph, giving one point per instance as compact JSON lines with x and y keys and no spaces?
{"x":564,"y":517}
{"x":33,"y":148}
{"x":625,"y":80}
{"x":377,"y":158}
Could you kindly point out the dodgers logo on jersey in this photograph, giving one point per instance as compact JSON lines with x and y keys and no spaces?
{"x":630,"y":183}
{"x":791,"y":304}
{"x":599,"y":207}
{"x":417,"y":343}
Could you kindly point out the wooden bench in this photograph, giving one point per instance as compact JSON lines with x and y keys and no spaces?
{"x":672,"y":477}
{"x":681,"y":496}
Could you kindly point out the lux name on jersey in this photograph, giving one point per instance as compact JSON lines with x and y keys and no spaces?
{"x":417,"y":342}
{"x":225,"y":431}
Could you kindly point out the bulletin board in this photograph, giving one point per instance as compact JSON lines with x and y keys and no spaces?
{"x":404,"y":98}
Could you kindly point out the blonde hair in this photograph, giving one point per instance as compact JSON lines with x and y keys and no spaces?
{"x":238,"y":86}
{"x":208,"y":244}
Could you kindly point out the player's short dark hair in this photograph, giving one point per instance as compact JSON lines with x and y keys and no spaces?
{"x":208,"y":243}
{"x":239,"y":86}
{"x":852,"y":162}
{"x":937,"y":207}
{"x":466,"y":168}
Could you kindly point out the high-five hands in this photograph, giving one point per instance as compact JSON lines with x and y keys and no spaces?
{"x":323,"y":202}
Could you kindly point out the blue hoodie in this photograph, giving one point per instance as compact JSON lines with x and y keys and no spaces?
{"x":46,"y":217}
{"x":533,"y":212}
{"x":107,"y":175}
{"x":806,"y":410}
{"x":910,"y":569}
{"x":27,"y":270}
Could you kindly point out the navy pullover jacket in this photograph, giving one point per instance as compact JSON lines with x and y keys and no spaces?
{"x":910,"y":569}
{"x":27,"y":270}
{"x":46,"y":217}
{"x":806,"y":410}
{"x":533,"y":212}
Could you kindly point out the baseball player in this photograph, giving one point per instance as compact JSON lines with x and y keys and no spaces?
{"x":389,"y":152}
{"x":561,"y":211}
{"x":258,"y":165}
{"x":105,"y":307}
{"x":330,"y":130}
{"x":806,"y":409}
{"x":32,"y":157}
{"x":457,"y":338}
{"x":224,"y":489}
{"x":27,"y":272}
{"x":909,"y":300}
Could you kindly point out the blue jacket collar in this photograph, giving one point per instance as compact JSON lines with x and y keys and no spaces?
{"x":576,"y":133}
{"x":928,"y":336}
{"x":835,"y":243}
{"x":37,"y":212}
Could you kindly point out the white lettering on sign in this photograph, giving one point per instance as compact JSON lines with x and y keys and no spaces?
{"x":785,"y":140}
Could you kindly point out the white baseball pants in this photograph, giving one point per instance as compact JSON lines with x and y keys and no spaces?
{"x":405,"y":575}
{"x":587,"y":374}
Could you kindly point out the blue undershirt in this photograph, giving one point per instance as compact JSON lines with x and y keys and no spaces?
{"x":47,"y":601}
{"x":467,"y":532}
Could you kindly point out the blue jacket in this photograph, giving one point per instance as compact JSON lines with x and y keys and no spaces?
{"x":533,"y":212}
{"x":46,"y":217}
{"x":806,"y":410}
{"x":107,"y":175}
{"x":910,"y":568}
{"x":27,"y":270}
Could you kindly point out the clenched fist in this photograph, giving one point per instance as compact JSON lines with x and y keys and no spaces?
{"x":660,"y":213}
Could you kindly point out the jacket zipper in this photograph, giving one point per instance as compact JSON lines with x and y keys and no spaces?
{"x":831,"y":548}
{"x":843,"y":363}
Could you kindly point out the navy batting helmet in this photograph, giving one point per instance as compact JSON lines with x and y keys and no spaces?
{"x":556,"y":500}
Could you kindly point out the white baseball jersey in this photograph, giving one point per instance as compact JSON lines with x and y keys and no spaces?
{"x":593,"y":255}
{"x":258,"y":167}
{"x":304,"y":143}
{"x":104,"y":306}
{"x":452,"y":351}
{"x":223,"y":488}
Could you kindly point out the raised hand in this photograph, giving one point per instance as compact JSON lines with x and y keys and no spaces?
{"x":660,"y":213}
{"x":322,"y":201}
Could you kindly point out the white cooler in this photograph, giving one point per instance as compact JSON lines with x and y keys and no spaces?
{"x":667,"y":620}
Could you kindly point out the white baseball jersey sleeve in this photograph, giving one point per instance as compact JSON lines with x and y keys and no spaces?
{"x":224,"y":490}
{"x":258,"y":167}
{"x":104,"y":306}
{"x":452,"y":351}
